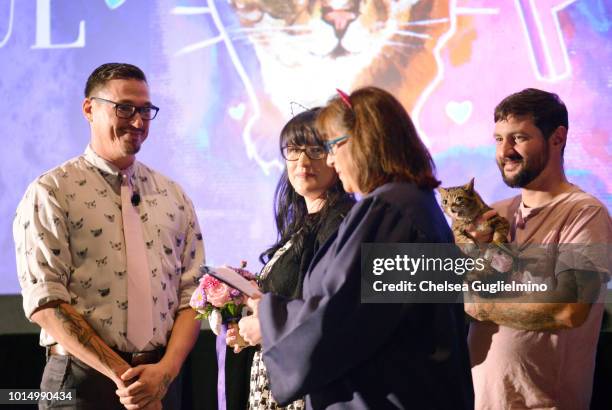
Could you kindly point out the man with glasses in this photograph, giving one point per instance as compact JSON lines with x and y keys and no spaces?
{"x":108,"y":252}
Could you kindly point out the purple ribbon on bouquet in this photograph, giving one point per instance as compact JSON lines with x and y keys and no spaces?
{"x":221,"y":351}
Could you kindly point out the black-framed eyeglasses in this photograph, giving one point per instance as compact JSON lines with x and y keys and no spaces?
{"x":127,"y":111}
{"x":331,"y":146}
{"x":293,"y":152}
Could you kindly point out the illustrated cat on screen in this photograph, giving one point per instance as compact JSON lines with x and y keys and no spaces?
{"x":464,"y":206}
{"x":308,"y":48}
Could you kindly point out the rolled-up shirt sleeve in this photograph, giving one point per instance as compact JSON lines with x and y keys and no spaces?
{"x":192,"y":257}
{"x":42,"y":249}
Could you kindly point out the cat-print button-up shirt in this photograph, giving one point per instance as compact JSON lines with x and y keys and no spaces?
{"x":69,"y":242}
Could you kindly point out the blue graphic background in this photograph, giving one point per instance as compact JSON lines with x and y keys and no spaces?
{"x":205,"y":87}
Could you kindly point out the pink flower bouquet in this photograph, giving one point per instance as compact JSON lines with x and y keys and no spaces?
{"x":216,"y":301}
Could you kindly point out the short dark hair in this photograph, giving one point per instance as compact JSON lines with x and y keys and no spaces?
{"x":546,"y":109}
{"x":385,"y":145}
{"x":112,"y":71}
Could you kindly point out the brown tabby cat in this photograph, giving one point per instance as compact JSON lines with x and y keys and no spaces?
{"x":464,"y":205}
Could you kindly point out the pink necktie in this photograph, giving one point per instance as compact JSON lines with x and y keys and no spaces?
{"x":140,"y":304}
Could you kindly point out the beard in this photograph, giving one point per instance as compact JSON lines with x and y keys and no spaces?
{"x":131,"y":149}
{"x":131,"y":145}
{"x":529,"y":169}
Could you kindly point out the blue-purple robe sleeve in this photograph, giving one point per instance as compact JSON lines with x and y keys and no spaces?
{"x":311,"y":342}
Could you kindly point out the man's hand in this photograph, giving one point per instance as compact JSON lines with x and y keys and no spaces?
{"x":480,"y":233}
{"x":149,"y":384}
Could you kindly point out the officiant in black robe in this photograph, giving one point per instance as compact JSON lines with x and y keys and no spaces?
{"x":328,"y":345}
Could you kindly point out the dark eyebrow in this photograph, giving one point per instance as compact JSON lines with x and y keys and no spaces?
{"x":496,"y":134}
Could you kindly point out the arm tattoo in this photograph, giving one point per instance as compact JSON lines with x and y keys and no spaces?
{"x":78,"y":327}
{"x":573,"y":286}
{"x":163,"y":387}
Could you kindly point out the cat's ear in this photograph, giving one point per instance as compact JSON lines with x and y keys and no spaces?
{"x":441,"y":190}
{"x":470,"y":185}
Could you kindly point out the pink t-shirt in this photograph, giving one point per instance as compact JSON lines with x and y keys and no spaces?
{"x":518,"y":369}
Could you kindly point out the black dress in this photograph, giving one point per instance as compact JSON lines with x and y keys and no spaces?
{"x":283,"y":275}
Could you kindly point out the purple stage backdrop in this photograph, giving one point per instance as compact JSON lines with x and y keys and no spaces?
{"x":225,"y":73}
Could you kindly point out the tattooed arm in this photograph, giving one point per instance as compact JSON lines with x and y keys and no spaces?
{"x":73,"y":332}
{"x":567,"y":306}
{"x":531,"y":316}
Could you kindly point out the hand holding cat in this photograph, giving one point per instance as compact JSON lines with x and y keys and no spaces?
{"x":482,"y":233}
